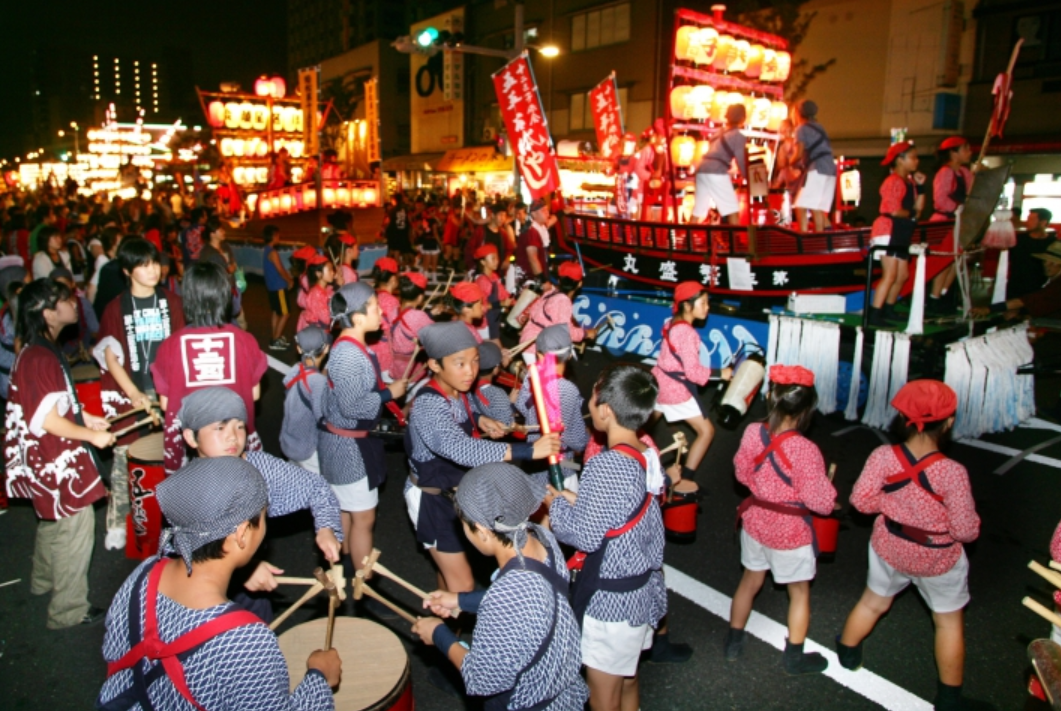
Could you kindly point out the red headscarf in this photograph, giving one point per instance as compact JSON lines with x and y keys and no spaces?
{"x":571,"y":271}
{"x":466,"y":292}
{"x":921,"y":401}
{"x":791,"y":375}
{"x":484,"y":251}
{"x":387,"y":264}
{"x":417,"y":278}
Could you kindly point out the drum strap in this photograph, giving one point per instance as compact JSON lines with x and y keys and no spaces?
{"x":914,"y":472}
{"x":467,"y":406}
{"x":679,"y":375}
{"x":380,"y":385}
{"x":147,"y":644}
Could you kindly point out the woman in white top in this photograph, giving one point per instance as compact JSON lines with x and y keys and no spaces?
{"x":51,"y":255}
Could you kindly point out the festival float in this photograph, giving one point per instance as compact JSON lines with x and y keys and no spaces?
{"x":790,"y":296}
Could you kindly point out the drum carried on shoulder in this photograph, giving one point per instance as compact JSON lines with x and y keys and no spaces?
{"x":376,"y":667}
{"x":89,"y":388}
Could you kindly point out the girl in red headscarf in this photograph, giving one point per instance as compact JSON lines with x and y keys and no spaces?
{"x":556,"y":306}
{"x":786,"y":474}
{"x":926,"y":513}
{"x":679,"y":372}
{"x":466,"y":300}
{"x":320,"y":275}
{"x":406,"y":327}
{"x":385,"y":276}
{"x":901,"y":200}
{"x":497,"y":297}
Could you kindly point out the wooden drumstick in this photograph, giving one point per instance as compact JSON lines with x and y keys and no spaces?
{"x":309,"y":594}
{"x":412,"y":359}
{"x":333,"y":601}
{"x":136,"y":425}
{"x":1042,"y":611}
{"x":516,"y":350}
{"x":362,"y":588}
{"x":435,"y":293}
{"x":371,"y":562}
{"x":832,"y":471}
{"x":123,"y":415}
{"x":1055,"y":565}
{"x":1052,"y":577}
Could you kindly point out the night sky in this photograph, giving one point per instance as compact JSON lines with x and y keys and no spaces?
{"x":229,"y":40}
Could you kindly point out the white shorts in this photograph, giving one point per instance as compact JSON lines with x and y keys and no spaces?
{"x":357,"y":496}
{"x":715,"y":188}
{"x":313,"y":464}
{"x":413,"y":495}
{"x":614,"y":647}
{"x":942,"y":593}
{"x":680,"y":412}
{"x":791,"y":566}
{"x":817,"y":192}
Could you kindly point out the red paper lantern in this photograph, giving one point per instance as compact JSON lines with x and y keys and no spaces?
{"x":275,"y":87}
{"x":215,"y":114}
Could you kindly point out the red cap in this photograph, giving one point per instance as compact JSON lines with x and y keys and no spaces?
{"x":791,"y":375}
{"x":303,"y":252}
{"x":484,"y":251}
{"x":570,"y":270}
{"x":921,"y":401}
{"x":387,"y":264}
{"x":952,"y":142}
{"x":895,"y":151}
{"x":348,"y":239}
{"x":316,"y":259}
{"x":417,"y":278}
{"x":466,"y":292}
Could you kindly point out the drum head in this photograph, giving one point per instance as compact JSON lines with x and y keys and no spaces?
{"x":85,"y":372}
{"x":148,"y":449}
{"x":374,"y":660}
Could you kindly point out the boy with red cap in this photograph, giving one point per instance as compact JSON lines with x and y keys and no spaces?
{"x":556,"y":306}
{"x":786,"y":474}
{"x":926,"y":512}
{"x":902,"y":199}
{"x":406,"y":327}
{"x":950,"y":188}
{"x":679,"y":371}
{"x":497,"y":297}
{"x":466,"y":300}
{"x":385,"y":275}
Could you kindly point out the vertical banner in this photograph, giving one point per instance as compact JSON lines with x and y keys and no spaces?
{"x":528,"y":133}
{"x":607,"y":118}
{"x":372,"y":119}
{"x":307,"y":84}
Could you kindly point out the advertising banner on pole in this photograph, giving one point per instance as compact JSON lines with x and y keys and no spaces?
{"x":372,"y":119}
{"x":307,"y":82}
{"x":528,"y":132}
{"x":607,"y":118}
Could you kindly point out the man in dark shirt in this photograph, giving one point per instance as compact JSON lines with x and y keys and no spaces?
{"x":1025,"y":268}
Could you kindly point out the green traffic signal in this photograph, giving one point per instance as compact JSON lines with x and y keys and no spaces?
{"x":427,"y":37}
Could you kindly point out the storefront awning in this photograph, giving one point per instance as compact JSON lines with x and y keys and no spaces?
{"x":483,"y":159}
{"x":418,"y":161}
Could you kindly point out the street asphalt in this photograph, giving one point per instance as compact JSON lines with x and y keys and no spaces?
{"x":43,"y":669}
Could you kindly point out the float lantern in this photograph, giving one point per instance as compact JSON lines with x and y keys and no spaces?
{"x":700,"y":101}
{"x":759,"y":116}
{"x":285,"y":202}
{"x":368,"y":196}
{"x":738,"y":56}
{"x":778,"y":113}
{"x":724,"y":52}
{"x":682,"y":151}
{"x":215,"y":114}
{"x":685,"y":43}
{"x":769,"y":71}
{"x":784,"y":66}
{"x":309,"y":196}
{"x":680,"y":107}
{"x":342,"y":196}
{"x":265,"y":206}
{"x":702,"y":147}
{"x":755,"y":61}
{"x":708,"y":45}
{"x":328,"y":197}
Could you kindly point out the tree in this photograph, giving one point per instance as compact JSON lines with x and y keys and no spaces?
{"x":785,"y":18}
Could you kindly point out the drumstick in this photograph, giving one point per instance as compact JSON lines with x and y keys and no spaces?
{"x":134,"y":426}
{"x":452,"y":273}
{"x":1042,"y":611}
{"x":333,"y":599}
{"x":287,"y":580}
{"x":135,"y":410}
{"x":412,"y":359}
{"x":371,"y":562}
{"x":832,"y":471}
{"x":1055,"y":565}
{"x":515,"y":350}
{"x":362,"y":588}
{"x":515,"y":427}
{"x":312,"y":592}
{"x":1052,"y":577}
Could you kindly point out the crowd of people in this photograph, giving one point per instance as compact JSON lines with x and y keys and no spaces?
{"x":150,"y":292}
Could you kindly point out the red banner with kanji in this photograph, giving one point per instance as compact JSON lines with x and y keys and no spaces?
{"x":607,"y":119}
{"x":528,"y":132}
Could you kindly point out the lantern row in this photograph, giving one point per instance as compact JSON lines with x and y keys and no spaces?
{"x":706,"y":48}
{"x":304,"y":197}
{"x":255,"y":147}
{"x":248,"y":116}
{"x":704,"y":103}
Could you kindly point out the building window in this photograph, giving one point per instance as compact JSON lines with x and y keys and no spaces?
{"x":581,"y":111}
{"x":598,"y":28}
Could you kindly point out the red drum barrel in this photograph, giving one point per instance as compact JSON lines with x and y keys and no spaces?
{"x":679,"y":514}
{"x":143,"y":525}
{"x":375,"y":666}
{"x":88,"y":387}
{"x":826,"y":531}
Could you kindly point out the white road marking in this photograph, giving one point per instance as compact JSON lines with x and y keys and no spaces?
{"x":277,"y":364}
{"x":863,"y":682}
{"x":1011,"y":452}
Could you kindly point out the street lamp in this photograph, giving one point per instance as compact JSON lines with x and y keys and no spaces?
{"x":549,"y":51}
{"x":73,"y":125}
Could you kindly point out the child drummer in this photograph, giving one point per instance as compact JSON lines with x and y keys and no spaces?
{"x":556,"y":307}
{"x":926,"y":512}
{"x":619,"y":595}
{"x":305,"y":384}
{"x":525,"y":648}
{"x":351,"y":457}
{"x":679,"y":372}
{"x":406,"y":327}
{"x":493,"y":401}
{"x":238,"y":664}
{"x":444,"y":439}
{"x":786,"y":474}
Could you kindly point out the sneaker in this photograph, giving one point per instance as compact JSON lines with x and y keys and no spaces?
{"x":278,"y":345}
{"x":850,"y":657}
{"x":734,"y":644}
{"x":666,"y":652}
{"x":283,"y":339}
{"x":795,"y":661}
{"x":94,"y":615}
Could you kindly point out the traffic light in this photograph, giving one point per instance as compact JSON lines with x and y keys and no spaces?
{"x":427,"y":37}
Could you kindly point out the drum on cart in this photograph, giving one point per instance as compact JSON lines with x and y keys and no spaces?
{"x":376,"y":672}
{"x":143,"y":525}
{"x":88,"y":387}
{"x":679,"y":513}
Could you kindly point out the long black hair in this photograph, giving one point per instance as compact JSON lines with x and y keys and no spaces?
{"x":207,"y":295}
{"x":796,"y":401}
{"x":33,"y":300}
